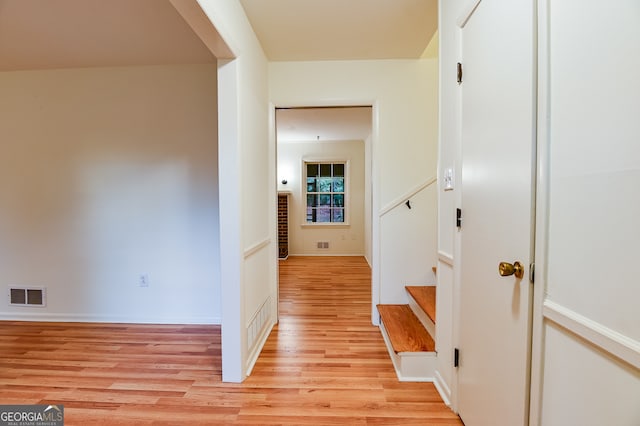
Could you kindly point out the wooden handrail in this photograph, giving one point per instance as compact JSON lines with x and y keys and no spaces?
{"x":408,"y":195}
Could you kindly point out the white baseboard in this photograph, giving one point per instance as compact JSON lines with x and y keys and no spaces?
{"x":257,"y":348}
{"x":67,"y":317}
{"x":442,"y":388}
{"x":326,"y":254}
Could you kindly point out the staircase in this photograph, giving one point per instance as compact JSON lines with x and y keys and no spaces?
{"x":407,"y":330}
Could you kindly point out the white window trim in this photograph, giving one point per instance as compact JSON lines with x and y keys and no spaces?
{"x":347,"y":198}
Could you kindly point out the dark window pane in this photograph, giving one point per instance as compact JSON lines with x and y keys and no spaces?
{"x":323,"y":215}
{"x":324,"y":184}
{"x":325,"y":192}
{"x":338,"y":215}
{"x":325,"y":200}
{"x":338,"y":184}
{"x":325,"y":170}
{"x":311,"y":184}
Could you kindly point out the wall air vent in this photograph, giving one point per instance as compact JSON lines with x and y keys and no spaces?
{"x":323,"y":244}
{"x":27,"y":296}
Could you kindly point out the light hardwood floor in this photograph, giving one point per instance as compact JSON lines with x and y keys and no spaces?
{"x":323,"y":364}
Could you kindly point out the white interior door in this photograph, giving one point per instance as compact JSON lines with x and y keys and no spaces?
{"x":497,"y":156}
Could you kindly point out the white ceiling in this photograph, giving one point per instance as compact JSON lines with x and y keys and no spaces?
{"x":323,"y":124}
{"x":40,"y":34}
{"x":44,"y":34}
{"x":47,"y":34}
{"x":312,"y":30}
{"x":309,"y":30}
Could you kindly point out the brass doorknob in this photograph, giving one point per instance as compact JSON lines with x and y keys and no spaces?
{"x":505,"y":269}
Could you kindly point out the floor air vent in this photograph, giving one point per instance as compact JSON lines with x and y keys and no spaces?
{"x":27,"y":296}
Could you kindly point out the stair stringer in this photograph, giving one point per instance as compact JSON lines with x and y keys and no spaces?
{"x":422,"y":316}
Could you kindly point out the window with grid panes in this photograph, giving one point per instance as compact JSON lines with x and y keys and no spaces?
{"x":325,"y":192}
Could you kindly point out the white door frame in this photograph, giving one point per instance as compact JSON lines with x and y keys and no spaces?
{"x":369,"y":209}
{"x":541,"y":36}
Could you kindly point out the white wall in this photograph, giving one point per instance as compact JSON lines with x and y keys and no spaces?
{"x":588,"y":344}
{"x":412,"y":252}
{"x":584,"y":385}
{"x":247,"y":192}
{"x":404,"y":141}
{"x":106,"y":174}
{"x":345,"y":239}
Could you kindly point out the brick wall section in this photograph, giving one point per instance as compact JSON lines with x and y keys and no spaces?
{"x":283,"y":226}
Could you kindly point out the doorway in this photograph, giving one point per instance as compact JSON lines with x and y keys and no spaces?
{"x":323,"y":165}
{"x":323,"y":157}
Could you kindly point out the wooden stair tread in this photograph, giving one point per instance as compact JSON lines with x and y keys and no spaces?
{"x":404,"y":329}
{"x":425,"y":296}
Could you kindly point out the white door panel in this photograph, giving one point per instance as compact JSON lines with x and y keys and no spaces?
{"x":497,"y":157}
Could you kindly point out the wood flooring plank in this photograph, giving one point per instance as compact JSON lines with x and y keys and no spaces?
{"x":323,"y":364}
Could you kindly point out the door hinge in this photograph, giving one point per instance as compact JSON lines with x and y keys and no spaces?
{"x":458,"y":218}
{"x":532,"y":272}
{"x":456,"y":357}
{"x":459,"y":73}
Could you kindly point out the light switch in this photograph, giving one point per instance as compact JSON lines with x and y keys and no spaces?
{"x":448,"y":179}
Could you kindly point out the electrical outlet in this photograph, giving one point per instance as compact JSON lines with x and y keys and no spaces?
{"x":143,"y":280}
